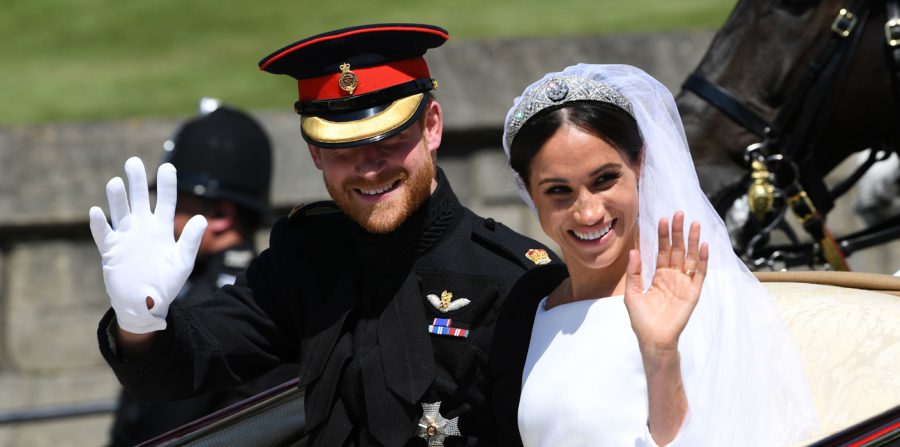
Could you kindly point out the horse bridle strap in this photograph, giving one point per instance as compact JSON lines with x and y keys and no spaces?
{"x":832,"y":54}
{"x":892,"y":39}
{"x":823,"y":70}
{"x":727,"y":104}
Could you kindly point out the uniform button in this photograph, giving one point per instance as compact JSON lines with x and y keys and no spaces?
{"x":490,"y":224}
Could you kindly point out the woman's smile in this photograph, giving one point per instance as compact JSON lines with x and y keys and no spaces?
{"x":596,"y":235}
{"x":585,"y":193}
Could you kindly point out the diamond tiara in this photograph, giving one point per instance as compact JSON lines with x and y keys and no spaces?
{"x":560,"y":90}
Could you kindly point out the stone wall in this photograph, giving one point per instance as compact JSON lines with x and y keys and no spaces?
{"x":51,"y":290}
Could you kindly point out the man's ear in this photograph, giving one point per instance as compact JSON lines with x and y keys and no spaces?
{"x":315,"y":153}
{"x":433,"y":125}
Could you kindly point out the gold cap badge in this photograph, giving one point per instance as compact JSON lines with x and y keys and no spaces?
{"x":538,"y":256}
{"x":348,"y":80}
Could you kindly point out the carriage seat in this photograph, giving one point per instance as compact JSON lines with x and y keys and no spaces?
{"x":847,"y":328}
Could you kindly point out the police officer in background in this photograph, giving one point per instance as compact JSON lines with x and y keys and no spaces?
{"x":224,"y":162}
{"x":387,"y":295}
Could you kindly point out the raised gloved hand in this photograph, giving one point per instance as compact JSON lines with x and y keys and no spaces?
{"x":140,"y":257}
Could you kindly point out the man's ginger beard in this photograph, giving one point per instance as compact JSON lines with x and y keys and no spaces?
{"x":386,"y":216}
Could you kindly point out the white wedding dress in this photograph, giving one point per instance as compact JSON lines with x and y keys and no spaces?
{"x":583,"y":382}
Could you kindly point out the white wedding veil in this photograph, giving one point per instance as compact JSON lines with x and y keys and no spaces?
{"x":743,"y":376}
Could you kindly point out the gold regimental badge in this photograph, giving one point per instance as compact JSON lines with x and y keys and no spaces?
{"x":348,"y":80}
{"x":446,"y":303}
{"x":538,"y":256}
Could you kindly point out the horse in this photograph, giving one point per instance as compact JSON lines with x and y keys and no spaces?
{"x":786,"y":91}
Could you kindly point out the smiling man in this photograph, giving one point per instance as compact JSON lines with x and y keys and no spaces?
{"x":386,"y":296}
{"x":380,"y":184}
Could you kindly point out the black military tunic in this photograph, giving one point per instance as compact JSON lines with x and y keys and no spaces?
{"x":381,"y":324}
{"x":512,"y":338}
{"x":137,"y":421}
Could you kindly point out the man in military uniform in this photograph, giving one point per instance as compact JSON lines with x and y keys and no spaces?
{"x":386,"y":296}
{"x":224,"y":162}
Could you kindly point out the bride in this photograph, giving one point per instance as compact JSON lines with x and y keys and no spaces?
{"x":643,"y":338}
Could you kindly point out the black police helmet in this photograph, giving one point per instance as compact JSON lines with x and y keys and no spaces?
{"x":224,"y":154}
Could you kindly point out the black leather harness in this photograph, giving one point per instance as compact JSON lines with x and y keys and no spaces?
{"x":797,"y":129}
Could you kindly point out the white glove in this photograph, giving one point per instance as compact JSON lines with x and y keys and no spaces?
{"x":139,"y":255}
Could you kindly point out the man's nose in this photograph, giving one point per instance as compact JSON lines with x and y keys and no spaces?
{"x":370,"y":159}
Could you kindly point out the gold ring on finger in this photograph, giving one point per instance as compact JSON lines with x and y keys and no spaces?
{"x":690,"y":272}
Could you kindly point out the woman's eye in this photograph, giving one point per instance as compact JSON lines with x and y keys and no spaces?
{"x":607,"y":180}
{"x":556,"y":190}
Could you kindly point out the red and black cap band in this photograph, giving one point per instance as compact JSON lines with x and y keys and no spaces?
{"x":370,"y":79}
{"x":364,"y":101}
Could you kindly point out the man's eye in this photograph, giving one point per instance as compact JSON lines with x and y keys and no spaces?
{"x":395,"y":143}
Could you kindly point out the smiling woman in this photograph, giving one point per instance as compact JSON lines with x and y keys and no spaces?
{"x":650,"y":337}
{"x":567,"y":166}
{"x":586,"y":197}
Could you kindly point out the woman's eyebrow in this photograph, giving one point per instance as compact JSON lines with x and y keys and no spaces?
{"x":552,"y":180}
{"x":603,"y":167}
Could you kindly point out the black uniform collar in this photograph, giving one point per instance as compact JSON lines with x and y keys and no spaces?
{"x":427,"y":226}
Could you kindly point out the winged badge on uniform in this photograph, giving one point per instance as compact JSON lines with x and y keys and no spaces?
{"x":446,"y":303}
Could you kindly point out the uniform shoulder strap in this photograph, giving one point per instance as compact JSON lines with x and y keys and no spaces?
{"x":519,"y":248}
{"x":310,"y":225}
{"x":319,"y":208}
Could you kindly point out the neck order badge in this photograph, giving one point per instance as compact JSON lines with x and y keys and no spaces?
{"x":434,"y":428}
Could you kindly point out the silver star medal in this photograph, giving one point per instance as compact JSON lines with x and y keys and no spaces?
{"x":435,"y":428}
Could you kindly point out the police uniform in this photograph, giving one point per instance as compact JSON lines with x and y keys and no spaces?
{"x":222,"y":155}
{"x":392,"y":331}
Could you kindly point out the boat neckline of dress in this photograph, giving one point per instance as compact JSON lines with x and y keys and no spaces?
{"x":543,"y":304}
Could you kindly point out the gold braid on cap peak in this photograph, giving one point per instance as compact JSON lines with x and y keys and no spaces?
{"x":332,"y":132}
{"x":559,"y":90}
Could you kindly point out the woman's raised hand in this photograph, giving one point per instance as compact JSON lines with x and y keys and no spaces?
{"x":659,"y":315}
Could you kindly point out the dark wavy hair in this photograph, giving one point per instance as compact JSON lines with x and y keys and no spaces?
{"x":611,"y":123}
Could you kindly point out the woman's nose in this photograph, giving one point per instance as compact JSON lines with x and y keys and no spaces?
{"x":588,"y":208}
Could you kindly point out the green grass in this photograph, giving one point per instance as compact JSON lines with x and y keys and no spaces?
{"x":79,"y":60}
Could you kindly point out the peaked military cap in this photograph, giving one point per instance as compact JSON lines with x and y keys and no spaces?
{"x":359,"y":85}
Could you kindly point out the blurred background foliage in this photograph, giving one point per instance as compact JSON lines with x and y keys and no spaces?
{"x":83,"y":60}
